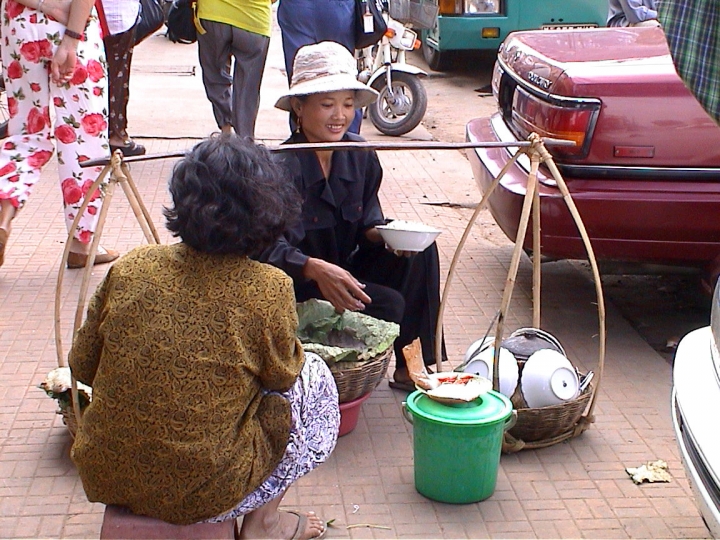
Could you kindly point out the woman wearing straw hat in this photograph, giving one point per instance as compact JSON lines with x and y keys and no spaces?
{"x":304,"y":22}
{"x":335,"y":252}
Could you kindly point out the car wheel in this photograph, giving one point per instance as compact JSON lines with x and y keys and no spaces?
{"x":438,"y":61}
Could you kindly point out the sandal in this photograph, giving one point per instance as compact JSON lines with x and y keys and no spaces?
{"x":405,"y":386}
{"x":302,"y":523}
{"x":79,"y":260}
{"x":130,"y":148}
{"x":409,"y":385}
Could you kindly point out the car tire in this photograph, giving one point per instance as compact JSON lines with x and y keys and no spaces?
{"x":438,"y":61}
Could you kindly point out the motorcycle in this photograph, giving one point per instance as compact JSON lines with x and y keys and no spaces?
{"x":402,"y":102}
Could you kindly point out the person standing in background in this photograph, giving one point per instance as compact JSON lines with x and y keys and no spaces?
{"x":306,"y":22}
{"x":239,"y":30}
{"x":52,"y":54}
{"x":692,"y":32}
{"x":632,"y":13}
{"x":121,"y":17}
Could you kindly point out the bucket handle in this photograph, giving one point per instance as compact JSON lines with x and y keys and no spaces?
{"x":511,"y":421}
{"x":405,"y":412}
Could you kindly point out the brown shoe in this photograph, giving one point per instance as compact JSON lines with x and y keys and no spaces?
{"x":79,"y":260}
{"x":129,"y":149}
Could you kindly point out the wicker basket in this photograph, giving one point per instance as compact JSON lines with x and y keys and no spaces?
{"x":355,"y":382}
{"x":545,"y":426}
{"x":69,"y":419}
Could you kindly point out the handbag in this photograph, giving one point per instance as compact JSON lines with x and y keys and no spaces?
{"x":370,"y":25}
{"x":181,"y":22}
{"x":150,"y":19}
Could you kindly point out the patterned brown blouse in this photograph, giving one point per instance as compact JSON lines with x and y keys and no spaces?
{"x":177,"y":346}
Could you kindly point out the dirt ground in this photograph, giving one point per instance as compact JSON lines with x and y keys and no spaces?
{"x":662,"y":308}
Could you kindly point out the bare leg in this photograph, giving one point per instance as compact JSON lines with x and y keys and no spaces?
{"x":269,"y":522}
{"x":7,"y":213}
{"x":79,"y":253}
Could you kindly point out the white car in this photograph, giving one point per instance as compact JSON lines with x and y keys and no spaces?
{"x":695,"y":408}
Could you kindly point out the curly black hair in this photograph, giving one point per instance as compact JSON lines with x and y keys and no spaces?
{"x":231,"y":196}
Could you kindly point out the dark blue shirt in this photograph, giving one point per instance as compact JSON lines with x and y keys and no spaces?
{"x":336,"y":211}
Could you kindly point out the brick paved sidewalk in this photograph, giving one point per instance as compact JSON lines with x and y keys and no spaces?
{"x":577,"y":489}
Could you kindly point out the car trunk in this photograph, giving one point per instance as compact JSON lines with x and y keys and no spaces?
{"x":542,"y":86}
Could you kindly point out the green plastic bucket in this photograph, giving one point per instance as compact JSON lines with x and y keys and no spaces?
{"x":457,"y":447}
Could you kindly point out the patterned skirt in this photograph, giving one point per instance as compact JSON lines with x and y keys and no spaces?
{"x":313,"y":434}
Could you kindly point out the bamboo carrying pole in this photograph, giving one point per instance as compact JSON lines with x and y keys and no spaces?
{"x":538,"y":154}
{"x":535,"y":147}
{"x":359,"y":145}
{"x":119,"y":173}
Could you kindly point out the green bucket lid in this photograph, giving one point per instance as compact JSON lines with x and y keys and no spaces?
{"x":489,"y":408}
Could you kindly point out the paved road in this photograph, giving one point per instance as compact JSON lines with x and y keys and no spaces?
{"x":569,"y":490}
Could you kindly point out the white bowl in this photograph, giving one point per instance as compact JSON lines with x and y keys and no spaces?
{"x":548,"y":378}
{"x":481,"y":364}
{"x":407,"y":235}
{"x":478,"y":346}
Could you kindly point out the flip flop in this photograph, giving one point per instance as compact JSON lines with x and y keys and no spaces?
{"x":405,"y":386}
{"x":302,"y":523}
{"x":79,"y":260}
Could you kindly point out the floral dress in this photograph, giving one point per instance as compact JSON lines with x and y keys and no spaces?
{"x":29,"y":41}
{"x":313,"y":434}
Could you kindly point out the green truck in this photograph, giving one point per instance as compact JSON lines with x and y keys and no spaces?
{"x":484,"y":24}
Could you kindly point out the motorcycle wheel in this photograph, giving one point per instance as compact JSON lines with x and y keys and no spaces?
{"x":394,"y":123}
{"x":4,"y":112}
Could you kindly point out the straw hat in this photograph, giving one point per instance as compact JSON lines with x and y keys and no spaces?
{"x":325,"y":67}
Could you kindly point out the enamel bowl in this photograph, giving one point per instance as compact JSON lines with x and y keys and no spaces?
{"x":407,"y":235}
{"x":548,"y":378}
{"x":478,"y":346}
{"x":481,"y":364}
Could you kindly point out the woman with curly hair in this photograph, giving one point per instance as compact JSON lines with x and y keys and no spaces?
{"x":204,"y":406}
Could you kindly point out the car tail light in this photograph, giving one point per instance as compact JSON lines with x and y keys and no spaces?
{"x":555,"y":117}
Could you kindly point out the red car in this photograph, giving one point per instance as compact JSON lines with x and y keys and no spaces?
{"x":645,"y":173}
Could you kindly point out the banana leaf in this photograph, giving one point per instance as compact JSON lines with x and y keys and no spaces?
{"x":350,"y":338}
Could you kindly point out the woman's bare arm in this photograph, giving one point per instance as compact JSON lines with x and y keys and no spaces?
{"x":57,"y":9}
{"x":63,"y":63}
{"x":337,"y":285}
